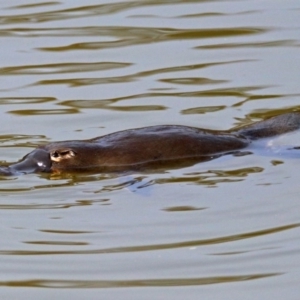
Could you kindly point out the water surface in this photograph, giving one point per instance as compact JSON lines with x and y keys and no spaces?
{"x":228,"y":228}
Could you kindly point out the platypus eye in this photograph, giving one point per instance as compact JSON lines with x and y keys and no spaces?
{"x":54,"y":154}
{"x":60,"y":154}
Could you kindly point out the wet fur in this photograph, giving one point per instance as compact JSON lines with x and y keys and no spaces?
{"x":161,"y":145}
{"x":150,"y":147}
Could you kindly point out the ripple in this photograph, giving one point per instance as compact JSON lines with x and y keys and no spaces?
{"x":66,"y":231}
{"x":158,"y":247}
{"x":25,"y":6}
{"x":77,"y":82}
{"x":202,"y":109}
{"x":108,"y":104}
{"x":129,"y":36}
{"x":218,"y":14}
{"x":166,"y":282}
{"x":192,"y":81}
{"x":39,"y":112}
{"x":25,"y":100}
{"x":69,"y":13}
{"x":238,"y":92}
{"x":281,"y":43}
{"x":19,"y":137}
{"x":211,"y":177}
{"x":56,"y":243}
{"x":50,"y":206}
{"x":61,"y":68}
{"x":182,"y":208}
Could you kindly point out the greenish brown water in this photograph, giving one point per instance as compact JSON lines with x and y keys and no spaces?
{"x":224,"y":229}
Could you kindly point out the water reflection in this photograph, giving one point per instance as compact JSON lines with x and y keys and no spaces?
{"x":64,"y":205}
{"x":61,"y":68}
{"x":88,"y":284}
{"x":156,"y":247}
{"x":283,"y":43}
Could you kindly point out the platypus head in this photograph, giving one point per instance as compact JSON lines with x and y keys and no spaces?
{"x":36,"y":161}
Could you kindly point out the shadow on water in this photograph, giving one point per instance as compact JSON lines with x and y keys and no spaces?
{"x":142,"y":183}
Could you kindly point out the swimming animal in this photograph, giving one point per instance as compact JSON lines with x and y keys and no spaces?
{"x":148,"y":148}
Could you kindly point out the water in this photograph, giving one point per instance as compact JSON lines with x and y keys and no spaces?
{"x":228,"y":228}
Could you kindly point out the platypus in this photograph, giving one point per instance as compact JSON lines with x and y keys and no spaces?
{"x":147,"y":148}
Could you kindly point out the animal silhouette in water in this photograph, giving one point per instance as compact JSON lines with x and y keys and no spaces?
{"x":147,"y":148}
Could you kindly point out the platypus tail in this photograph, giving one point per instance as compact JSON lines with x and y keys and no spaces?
{"x":274,"y":126}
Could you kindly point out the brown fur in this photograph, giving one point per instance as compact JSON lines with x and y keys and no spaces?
{"x":161,"y":145}
{"x":142,"y":147}
{"x":148,"y":147}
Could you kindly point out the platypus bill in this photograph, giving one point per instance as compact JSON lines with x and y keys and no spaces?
{"x":147,"y":148}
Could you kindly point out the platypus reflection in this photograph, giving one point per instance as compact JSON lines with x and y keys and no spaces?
{"x":147,"y":148}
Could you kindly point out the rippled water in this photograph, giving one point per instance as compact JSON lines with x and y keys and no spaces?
{"x":224,"y":229}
